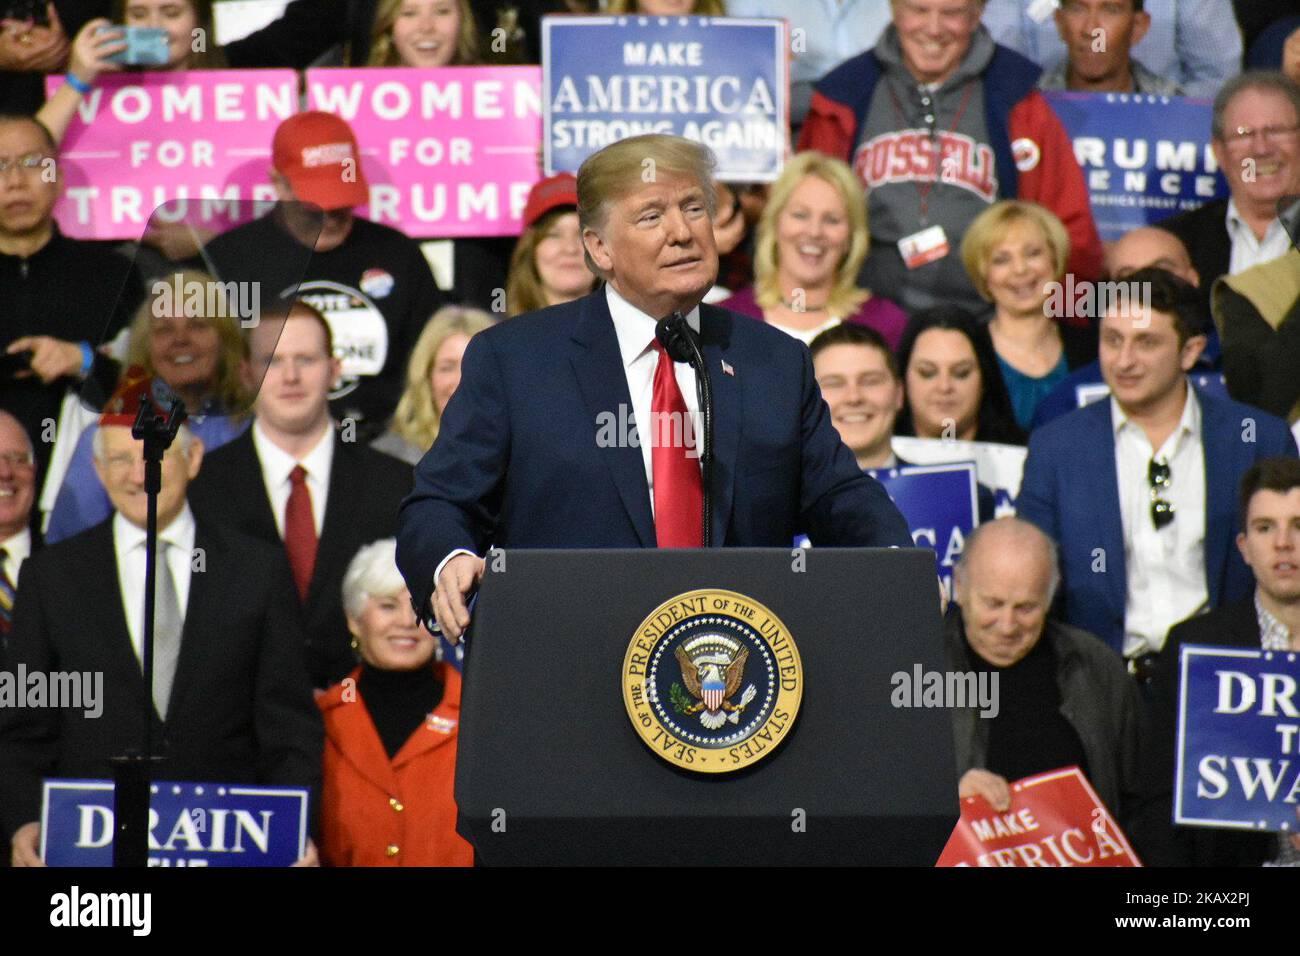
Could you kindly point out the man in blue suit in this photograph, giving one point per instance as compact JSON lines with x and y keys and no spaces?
{"x":1139,"y":489}
{"x":538,"y":447}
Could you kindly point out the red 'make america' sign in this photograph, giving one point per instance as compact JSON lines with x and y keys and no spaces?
{"x":1055,"y":819}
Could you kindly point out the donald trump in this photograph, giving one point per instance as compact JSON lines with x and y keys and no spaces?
{"x":522,"y":460}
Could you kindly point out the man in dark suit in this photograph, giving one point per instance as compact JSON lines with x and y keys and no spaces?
{"x":17,"y":495}
{"x":293,"y":480}
{"x":1138,"y":490}
{"x":536,"y":447}
{"x":231,"y":701}
{"x":1257,"y":144}
{"x":1269,"y":619}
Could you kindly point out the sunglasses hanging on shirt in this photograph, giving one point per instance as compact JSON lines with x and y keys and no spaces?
{"x":1160,"y":479}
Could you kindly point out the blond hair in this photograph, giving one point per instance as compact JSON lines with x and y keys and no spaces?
{"x":416,"y":419}
{"x":990,"y":227}
{"x":524,"y":291}
{"x":384,"y":53}
{"x":702,"y":8}
{"x":846,"y":296}
{"x":609,"y":174}
{"x":230,"y":390}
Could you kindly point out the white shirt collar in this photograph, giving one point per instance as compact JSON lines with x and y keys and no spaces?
{"x":179,"y":534}
{"x":19,"y":546}
{"x":634,"y":328}
{"x":1188,"y":424}
{"x":277,"y":463}
{"x":1235,"y":223}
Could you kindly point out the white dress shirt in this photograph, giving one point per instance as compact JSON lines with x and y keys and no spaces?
{"x":1247,"y":249}
{"x":128,"y":545}
{"x":277,"y":466}
{"x":636,"y":332}
{"x":1166,"y":568}
{"x":17,"y":550}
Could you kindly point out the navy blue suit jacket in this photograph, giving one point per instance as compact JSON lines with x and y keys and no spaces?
{"x":517,"y":461}
{"x":1070,"y":490}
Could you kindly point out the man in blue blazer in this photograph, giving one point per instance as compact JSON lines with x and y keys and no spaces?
{"x":1139,"y":490}
{"x":537,"y":448}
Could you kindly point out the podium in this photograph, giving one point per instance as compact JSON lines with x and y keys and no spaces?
{"x":551,"y":769}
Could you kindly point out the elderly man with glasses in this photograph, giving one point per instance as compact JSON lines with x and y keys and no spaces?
{"x":1255,"y":135}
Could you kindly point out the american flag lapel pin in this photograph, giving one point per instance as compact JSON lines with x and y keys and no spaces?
{"x":727,"y":369}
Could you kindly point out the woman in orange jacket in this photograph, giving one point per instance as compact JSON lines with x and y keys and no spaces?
{"x":390,"y":733}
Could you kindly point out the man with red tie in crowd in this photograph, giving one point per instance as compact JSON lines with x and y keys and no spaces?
{"x":539,"y":447}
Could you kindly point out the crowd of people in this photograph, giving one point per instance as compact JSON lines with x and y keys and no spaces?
{"x":1158,"y":514}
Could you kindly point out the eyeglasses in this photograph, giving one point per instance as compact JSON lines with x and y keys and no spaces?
{"x":17,"y":459}
{"x":28,"y":164}
{"x":1160,"y":479}
{"x":1274,"y":135}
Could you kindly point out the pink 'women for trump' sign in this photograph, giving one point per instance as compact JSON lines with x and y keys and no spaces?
{"x":199,"y":142}
{"x":447,"y":152}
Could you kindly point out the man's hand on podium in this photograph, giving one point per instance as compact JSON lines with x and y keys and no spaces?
{"x":459,"y":577}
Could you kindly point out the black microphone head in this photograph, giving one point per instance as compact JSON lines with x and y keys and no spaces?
{"x":672,"y":331}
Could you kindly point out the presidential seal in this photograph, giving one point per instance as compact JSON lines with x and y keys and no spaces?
{"x":712,"y":681}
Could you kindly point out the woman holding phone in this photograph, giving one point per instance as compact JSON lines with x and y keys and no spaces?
{"x":103,"y":47}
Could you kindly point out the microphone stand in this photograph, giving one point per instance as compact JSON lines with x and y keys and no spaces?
{"x":133,"y":770}
{"x":682,"y":345}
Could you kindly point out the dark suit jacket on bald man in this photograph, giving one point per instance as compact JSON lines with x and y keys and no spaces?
{"x":517,"y":463}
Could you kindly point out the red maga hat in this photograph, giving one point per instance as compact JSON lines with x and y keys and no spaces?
{"x":550,"y":193}
{"x":124,"y":404}
{"x":317,"y":152}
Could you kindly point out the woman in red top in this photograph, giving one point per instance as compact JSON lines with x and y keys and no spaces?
{"x":390,"y":732}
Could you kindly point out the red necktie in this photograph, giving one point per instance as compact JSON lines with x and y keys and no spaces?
{"x":679,"y":490}
{"x":300,"y":531}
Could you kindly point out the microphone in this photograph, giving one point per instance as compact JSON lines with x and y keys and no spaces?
{"x":682,"y":345}
{"x":674,"y":334}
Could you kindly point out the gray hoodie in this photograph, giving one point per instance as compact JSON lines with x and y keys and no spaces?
{"x":906,"y":126}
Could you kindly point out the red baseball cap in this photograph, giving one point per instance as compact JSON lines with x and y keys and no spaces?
{"x":550,"y":193}
{"x":318,"y":154}
{"x":124,"y":404}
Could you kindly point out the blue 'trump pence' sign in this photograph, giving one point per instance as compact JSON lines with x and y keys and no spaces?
{"x":1238,"y":738}
{"x":719,"y":81}
{"x":190,"y":824}
{"x":1145,"y":158}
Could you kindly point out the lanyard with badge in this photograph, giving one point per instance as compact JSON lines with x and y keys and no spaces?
{"x":931,"y":243}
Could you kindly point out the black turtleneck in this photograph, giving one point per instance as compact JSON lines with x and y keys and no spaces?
{"x":1029,"y":735}
{"x":398,"y":701}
